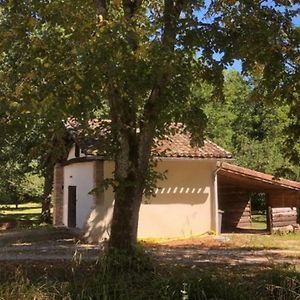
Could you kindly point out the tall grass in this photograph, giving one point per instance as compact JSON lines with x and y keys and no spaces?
{"x":20,"y":287}
{"x":119,"y":276}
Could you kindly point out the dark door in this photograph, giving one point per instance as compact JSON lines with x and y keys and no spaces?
{"x":71,"y":206}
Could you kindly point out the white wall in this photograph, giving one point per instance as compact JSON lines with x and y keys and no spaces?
{"x":183,"y":205}
{"x":80,"y":175}
{"x":98,"y":224}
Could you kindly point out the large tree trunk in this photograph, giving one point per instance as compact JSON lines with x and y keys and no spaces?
{"x":125,"y":219}
{"x":46,"y":201}
{"x":130,"y":174}
{"x":134,"y":136}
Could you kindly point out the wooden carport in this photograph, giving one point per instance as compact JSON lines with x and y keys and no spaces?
{"x":235,"y":186}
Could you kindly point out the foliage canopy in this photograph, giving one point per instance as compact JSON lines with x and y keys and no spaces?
{"x":135,"y":61}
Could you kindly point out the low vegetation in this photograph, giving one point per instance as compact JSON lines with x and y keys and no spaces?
{"x":143,"y":278}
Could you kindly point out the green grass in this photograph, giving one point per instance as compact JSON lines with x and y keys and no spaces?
{"x":143,"y":278}
{"x":24,"y":208}
{"x":26,"y":211}
{"x":289,"y":241}
{"x":259,"y":221}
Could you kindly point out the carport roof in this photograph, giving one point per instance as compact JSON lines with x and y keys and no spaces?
{"x":230,"y":176}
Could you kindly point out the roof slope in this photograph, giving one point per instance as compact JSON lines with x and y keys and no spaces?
{"x":179,"y":145}
{"x":233,"y":171}
{"x":176,"y":145}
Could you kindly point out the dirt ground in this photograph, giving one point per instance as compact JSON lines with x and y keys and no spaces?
{"x":51,"y":244}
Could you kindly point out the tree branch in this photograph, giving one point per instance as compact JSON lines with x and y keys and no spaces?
{"x":172,"y":11}
{"x":101,"y":6}
{"x":130,"y":7}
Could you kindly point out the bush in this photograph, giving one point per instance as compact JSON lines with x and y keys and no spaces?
{"x":16,"y":189}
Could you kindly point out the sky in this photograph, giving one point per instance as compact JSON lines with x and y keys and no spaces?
{"x":237,"y":64}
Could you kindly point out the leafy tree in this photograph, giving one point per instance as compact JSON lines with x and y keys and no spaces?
{"x":30,"y":148}
{"x":138,"y":59}
{"x":223,"y":117}
{"x":254,"y":131}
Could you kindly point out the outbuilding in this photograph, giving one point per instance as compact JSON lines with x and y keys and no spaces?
{"x":237,"y":184}
{"x":199,"y":183}
{"x":185,"y":204}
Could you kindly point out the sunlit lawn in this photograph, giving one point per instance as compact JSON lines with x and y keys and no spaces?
{"x":259,"y":221}
{"x":265,"y":241}
{"x":25,"y":211}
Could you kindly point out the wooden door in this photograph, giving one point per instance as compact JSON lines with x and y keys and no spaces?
{"x":71,"y":206}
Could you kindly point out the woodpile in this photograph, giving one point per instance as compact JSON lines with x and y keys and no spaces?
{"x":283,"y":219}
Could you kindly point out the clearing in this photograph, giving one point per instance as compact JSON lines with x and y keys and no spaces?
{"x":51,"y":244}
{"x":26,"y":215}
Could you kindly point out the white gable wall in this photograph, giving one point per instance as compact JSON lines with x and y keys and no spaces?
{"x":72,"y":153}
{"x":185,"y":203}
{"x":80,"y":175}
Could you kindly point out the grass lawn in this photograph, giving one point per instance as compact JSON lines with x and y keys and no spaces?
{"x":111,"y":278}
{"x":145,"y":277}
{"x":26,"y":211}
{"x":254,"y":241}
{"x":259,"y":220}
{"x":24,"y":208}
{"x":257,"y":241}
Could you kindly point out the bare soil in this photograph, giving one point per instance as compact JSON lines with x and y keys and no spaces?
{"x":50,"y":244}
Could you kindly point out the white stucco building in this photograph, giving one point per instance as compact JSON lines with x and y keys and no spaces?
{"x":186,"y":203}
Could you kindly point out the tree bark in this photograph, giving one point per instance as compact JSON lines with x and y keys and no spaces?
{"x":46,"y":201}
{"x":125,"y":219}
{"x":133,"y":158}
{"x":129,"y":190}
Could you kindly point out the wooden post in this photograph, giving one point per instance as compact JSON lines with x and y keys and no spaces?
{"x":269,"y":219}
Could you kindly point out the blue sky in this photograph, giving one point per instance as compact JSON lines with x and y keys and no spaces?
{"x":296,"y":20}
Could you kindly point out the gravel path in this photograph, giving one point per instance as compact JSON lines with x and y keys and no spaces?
{"x":60,"y":245}
{"x":194,"y":256}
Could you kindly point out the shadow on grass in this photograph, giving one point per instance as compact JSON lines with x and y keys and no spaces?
{"x":232,"y":256}
{"x":34,"y":235}
{"x":16,"y":221}
{"x":32,"y":216}
{"x":95,"y":281}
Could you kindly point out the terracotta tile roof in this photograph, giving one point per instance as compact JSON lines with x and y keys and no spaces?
{"x":242,"y":172}
{"x":176,"y":145}
{"x":179,"y":145}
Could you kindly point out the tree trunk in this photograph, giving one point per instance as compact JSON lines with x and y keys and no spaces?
{"x":125,"y":219}
{"x":46,"y":201}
